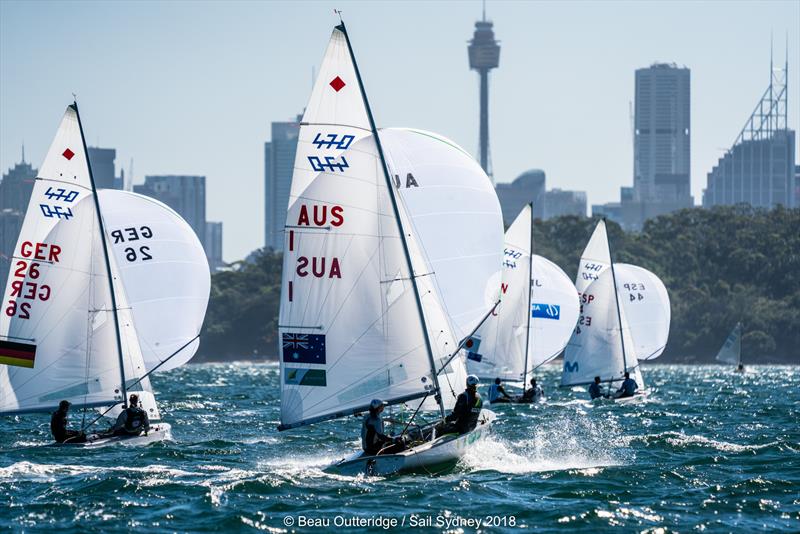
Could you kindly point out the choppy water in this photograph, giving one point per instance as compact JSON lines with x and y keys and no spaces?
{"x":709,"y":450}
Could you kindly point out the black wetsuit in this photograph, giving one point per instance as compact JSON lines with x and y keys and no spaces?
{"x":594,"y":391}
{"x":58,"y":427}
{"x":465,"y":413}
{"x":132,"y":422}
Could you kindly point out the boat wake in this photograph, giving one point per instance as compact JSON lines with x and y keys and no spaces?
{"x":557,"y":445}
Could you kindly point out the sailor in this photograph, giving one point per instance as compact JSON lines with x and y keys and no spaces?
{"x":373,"y":439}
{"x":534,"y":394}
{"x":594,"y":389}
{"x":58,"y":426}
{"x":497,"y":393}
{"x":740,"y":368}
{"x":133,"y":420}
{"x":628,"y":387}
{"x":467,"y":409}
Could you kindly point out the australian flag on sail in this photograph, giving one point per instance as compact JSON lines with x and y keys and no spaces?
{"x":304,"y":348}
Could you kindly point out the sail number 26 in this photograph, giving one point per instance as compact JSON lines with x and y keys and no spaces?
{"x":134,"y":252}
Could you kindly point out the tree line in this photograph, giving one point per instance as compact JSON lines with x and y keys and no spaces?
{"x":720,"y":266}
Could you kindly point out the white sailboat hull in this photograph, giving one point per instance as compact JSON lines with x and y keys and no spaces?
{"x":440,"y":451}
{"x":158,"y":432}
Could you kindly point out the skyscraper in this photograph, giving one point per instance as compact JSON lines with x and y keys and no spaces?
{"x":17,"y":185}
{"x":526,"y":188}
{"x":759,"y":169}
{"x":662,"y":136}
{"x":278,"y":165}
{"x":184,"y":194}
{"x":103,"y":169}
{"x":214,"y":245}
{"x":484,"y":55}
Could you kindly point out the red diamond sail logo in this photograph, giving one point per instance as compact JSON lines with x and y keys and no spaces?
{"x":68,"y":154}
{"x":337,"y":84}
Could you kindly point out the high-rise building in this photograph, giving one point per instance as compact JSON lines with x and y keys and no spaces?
{"x":184,"y":194}
{"x":526,"y":188}
{"x":103,"y":169}
{"x":484,"y":55}
{"x":759,"y":169}
{"x":662,"y":135}
{"x":17,"y":185}
{"x":558,"y":202}
{"x":214,"y":246}
{"x":279,"y":155}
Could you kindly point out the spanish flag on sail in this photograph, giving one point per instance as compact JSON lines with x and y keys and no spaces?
{"x":18,"y":354}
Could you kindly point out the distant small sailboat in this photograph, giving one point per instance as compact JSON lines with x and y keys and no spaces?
{"x":360,"y":317}
{"x":731,"y":351}
{"x":536,"y":316}
{"x":625,"y":316}
{"x":67,"y":331}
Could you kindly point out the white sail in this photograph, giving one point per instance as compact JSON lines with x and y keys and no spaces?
{"x":57,"y":331}
{"x":646,"y":303}
{"x":455,"y":216}
{"x":731,"y":350}
{"x":497,"y":350}
{"x":350,"y":324}
{"x":595,"y":259}
{"x":164,"y":271}
{"x":595,"y":348}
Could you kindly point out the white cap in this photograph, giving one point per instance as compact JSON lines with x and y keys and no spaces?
{"x":472,"y":380}
{"x":376,"y":403}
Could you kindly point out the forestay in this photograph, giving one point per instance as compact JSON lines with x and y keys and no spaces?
{"x":349,"y":322}
{"x":731,"y":351}
{"x":164,"y":271}
{"x":57,"y":331}
{"x":455,"y":216}
{"x":646,"y":303}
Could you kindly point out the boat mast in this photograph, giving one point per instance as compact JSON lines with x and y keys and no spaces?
{"x":529,"y":312}
{"x":390,"y":186}
{"x":123,"y":389}
{"x":616,"y":299}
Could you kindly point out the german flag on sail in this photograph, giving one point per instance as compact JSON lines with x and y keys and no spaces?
{"x":19,"y":354}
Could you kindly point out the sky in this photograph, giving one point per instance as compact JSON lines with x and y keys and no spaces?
{"x":187,"y":87}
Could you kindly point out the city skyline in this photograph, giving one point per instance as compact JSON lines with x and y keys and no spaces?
{"x":181,"y":92}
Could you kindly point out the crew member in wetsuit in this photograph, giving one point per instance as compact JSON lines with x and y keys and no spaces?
{"x":58,"y":426}
{"x":534,"y":394}
{"x":628,"y":387}
{"x":497,"y":393}
{"x":373,"y":439}
{"x":594,"y":389}
{"x":467,"y":409}
{"x":132,"y":421}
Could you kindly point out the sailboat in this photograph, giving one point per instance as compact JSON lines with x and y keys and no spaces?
{"x":624,"y":319}
{"x":67,"y":331}
{"x":536,"y":316}
{"x":360,"y":316}
{"x":731,"y":351}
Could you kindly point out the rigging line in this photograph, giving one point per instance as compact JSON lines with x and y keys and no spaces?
{"x":414,"y":414}
{"x":463,"y":341}
{"x":142,"y":378}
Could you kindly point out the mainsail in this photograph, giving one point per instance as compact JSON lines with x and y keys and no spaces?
{"x":61,"y":335}
{"x":731,"y":350}
{"x":355,"y":322}
{"x":538,"y":302}
{"x":164,"y":271}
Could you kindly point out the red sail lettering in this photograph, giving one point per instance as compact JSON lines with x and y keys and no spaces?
{"x":25,"y":249}
{"x":323,"y":217}
{"x":336,"y":272}
{"x":321,"y":272}
{"x":303,"y":218}
{"x":504,"y":288}
{"x":302,"y":263}
{"x":337,"y":217}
